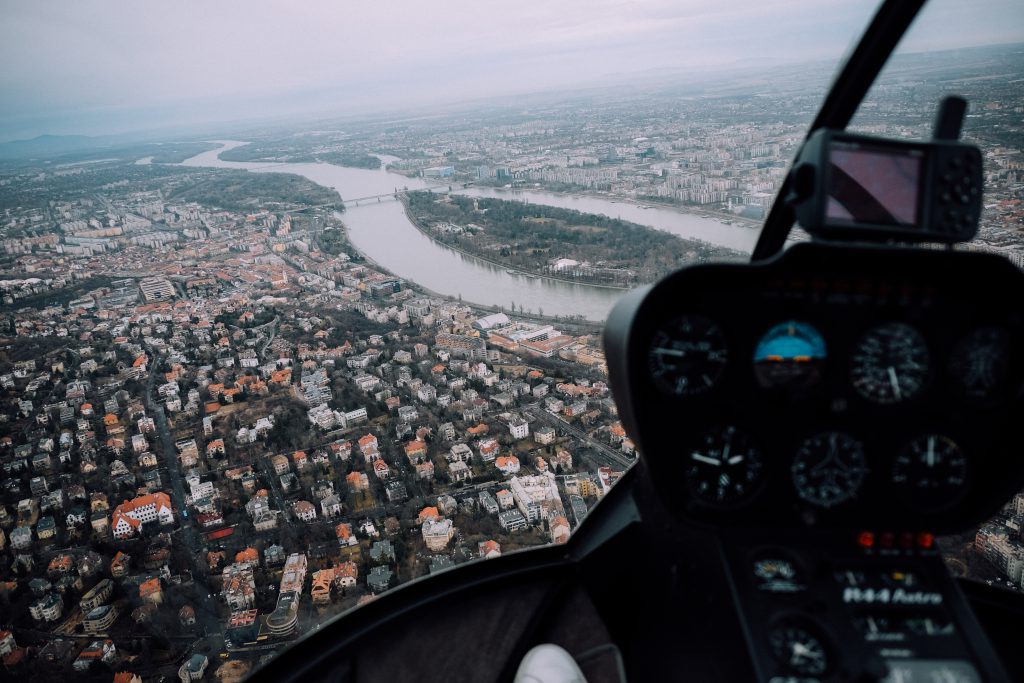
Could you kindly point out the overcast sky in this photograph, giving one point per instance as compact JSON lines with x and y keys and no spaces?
{"x":100,"y":67}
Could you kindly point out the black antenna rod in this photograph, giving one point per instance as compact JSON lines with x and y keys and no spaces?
{"x":950,"y":119}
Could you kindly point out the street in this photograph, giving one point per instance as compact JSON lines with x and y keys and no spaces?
{"x":611,"y":456}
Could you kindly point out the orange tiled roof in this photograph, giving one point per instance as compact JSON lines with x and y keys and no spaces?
{"x":159,"y":499}
{"x":119,"y":516}
{"x":247,"y":555}
{"x":414,"y":447}
{"x":349,"y":569}
{"x":60,"y":563}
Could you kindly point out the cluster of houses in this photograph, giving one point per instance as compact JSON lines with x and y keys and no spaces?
{"x":230,"y":430}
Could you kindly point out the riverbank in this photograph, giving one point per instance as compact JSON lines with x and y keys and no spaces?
{"x":498,"y":264}
{"x":579,"y":326}
{"x":684,"y":209}
{"x":382,"y":233}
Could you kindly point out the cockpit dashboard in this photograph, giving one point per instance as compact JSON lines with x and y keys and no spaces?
{"x":828,"y":388}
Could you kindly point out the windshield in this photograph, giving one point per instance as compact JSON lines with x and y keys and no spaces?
{"x":301,"y":304}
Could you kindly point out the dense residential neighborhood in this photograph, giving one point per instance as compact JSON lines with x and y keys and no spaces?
{"x":226,"y":441}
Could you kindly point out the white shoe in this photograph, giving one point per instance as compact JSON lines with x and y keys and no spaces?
{"x":549,"y":664}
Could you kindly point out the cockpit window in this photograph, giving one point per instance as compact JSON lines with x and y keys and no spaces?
{"x":303,"y":303}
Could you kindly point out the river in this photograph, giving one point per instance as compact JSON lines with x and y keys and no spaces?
{"x":383,"y":233}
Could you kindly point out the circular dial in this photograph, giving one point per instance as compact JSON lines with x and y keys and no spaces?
{"x":980,"y":363}
{"x":932,"y":470}
{"x":797,"y":647}
{"x":789,"y":356}
{"x":890,"y":363}
{"x":724,"y":467}
{"x":687,"y":356}
{"x":829,"y":468}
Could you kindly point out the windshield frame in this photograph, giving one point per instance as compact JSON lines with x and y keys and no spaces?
{"x":848,"y":90}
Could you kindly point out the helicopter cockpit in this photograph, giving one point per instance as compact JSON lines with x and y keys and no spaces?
{"x":808,"y":424}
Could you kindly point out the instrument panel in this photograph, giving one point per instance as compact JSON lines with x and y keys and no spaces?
{"x":831,"y":386}
{"x":819,"y":607}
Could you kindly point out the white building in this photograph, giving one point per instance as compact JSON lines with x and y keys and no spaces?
{"x":460,"y":452}
{"x":47,"y":608}
{"x":129,"y":516}
{"x":437,"y":533}
{"x":459,"y":471}
{"x":519,"y":428}
{"x":536,"y":496}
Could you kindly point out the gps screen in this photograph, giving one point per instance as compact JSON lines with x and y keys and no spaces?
{"x":873,"y":186}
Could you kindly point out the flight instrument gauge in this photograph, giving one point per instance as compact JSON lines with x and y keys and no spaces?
{"x":890,"y":363}
{"x":688,"y":356}
{"x":798,"y":647}
{"x":775,"y":573}
{"x":829,"y":469}
{"x":789,"y":356}
{"x":981,"y":362}
{"x":724,"y":467}
{"x":932,"y":470}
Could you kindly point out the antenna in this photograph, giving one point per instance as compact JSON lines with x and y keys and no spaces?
{"x":950,"y":118}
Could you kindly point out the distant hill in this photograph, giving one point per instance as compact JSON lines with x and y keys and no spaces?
{"x":48,"y":145}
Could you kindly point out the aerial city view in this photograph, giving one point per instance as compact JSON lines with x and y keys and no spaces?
{"x":255,"y":372}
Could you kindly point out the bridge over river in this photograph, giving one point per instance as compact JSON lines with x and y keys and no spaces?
{"x":377,"y":198}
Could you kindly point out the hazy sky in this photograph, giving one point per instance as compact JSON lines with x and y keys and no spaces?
{"x":103,"y":67}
